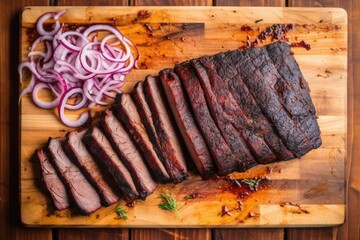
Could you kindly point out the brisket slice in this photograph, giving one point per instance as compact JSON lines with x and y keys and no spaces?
{"x":223,"y":157}
{"x":234,"y":86}
{"x":146,"y":117}
{"x":76,"y":150}
{"x":227,"y":112}
{"x":128,"y":153}
{"x":294,"y":91}
{"x":100,"y":147}
{"x":174,"y":159}
{"x":260,"y":77}
{"x":125,"y":110}
{"x":184,"y":118}
{"x":52,"y":182}
{"x":82,"y":192}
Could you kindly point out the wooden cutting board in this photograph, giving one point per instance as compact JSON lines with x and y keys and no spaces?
{"x":302,"y":192}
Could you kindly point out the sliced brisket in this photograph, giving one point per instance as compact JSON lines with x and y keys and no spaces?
{"x":146,"y":117}
{"x":100,"y":147}
{"x":260,"y":77}
{"x":223,"y":157}
{"x":185,"y":120}
{"x":52,"y":182}
{"x":234,"y":86}
{"x":76,"y":150}
{"x":82,"y":192}
{"x":294,"y":91}
{"x":128,"y":153}
{"x":227,"y":112}
{"x":174,"y":159}
{"x":125,"y":110}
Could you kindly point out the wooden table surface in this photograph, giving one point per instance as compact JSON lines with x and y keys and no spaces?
{"x":10,"y":225}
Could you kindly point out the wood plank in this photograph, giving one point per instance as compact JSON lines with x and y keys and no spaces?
{"x":10,"y":227}
{"x":203,"y":40}
{"x":92,"y":3}
{"x":312,"y":233}
{"x":170,"y":234}
{"x":253,"y":3}
{"x":249,"y":234}
{"x":171,"y":3}
{"x":92,"y":234}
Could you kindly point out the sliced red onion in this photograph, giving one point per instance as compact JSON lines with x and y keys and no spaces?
{"x":84,"y":117}
{"x":40,"y":24}
{"x":64,"y":39}
{"x":29,"y":88}
{"x":46,"y":105}
{"x":77,"y":66}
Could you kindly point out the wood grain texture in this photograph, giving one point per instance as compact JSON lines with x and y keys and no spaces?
{"x":311,"y":233}
{"x":92,"y":3}
{"x":91,"y":234}
{"x":314,"y":3}
{"x":248,"y":234}
{"x":170,"y":234}
{"x":10,"y":226}
{"x":171,"y":3}
{"x":263,"y":3}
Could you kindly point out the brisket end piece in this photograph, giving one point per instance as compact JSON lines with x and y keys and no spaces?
{"x":52,"y":182}
{"x":226,"y":112}
{"x":294,"y":91}
{"x":184,"y":118}
{"x":174,"y":159}
{"x":260,"y":77}
{"x":100,"y":147}
{"x":128,"y":153}
{"x":286,"y":65}
{"x":82,"y":192}
{"x":76,"y":150}
{"x":224,"y":159}
{"x":125,"y":110}
{"x":235,"y":88}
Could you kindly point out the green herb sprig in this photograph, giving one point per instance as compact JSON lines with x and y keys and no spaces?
{"x":252,"y":183}
{"x":121,"y":212}
{"x":169,"y":203}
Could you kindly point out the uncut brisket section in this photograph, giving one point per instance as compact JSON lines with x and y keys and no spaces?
{"x":82,"y":192}
{"x":294,"y":91}
{"x":260,"y":78}
{"x":186,"y":123}
{"x":128,"y":153}
{"x":231,"y":120}
{"x":52,"y":182}
{"x":125,"y":110}
{"x":76,"y":150}
{"x":174,"y":159}
{"x":100,"y":147}
{"x":223,"y":157}
{"x":236,"y":100}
